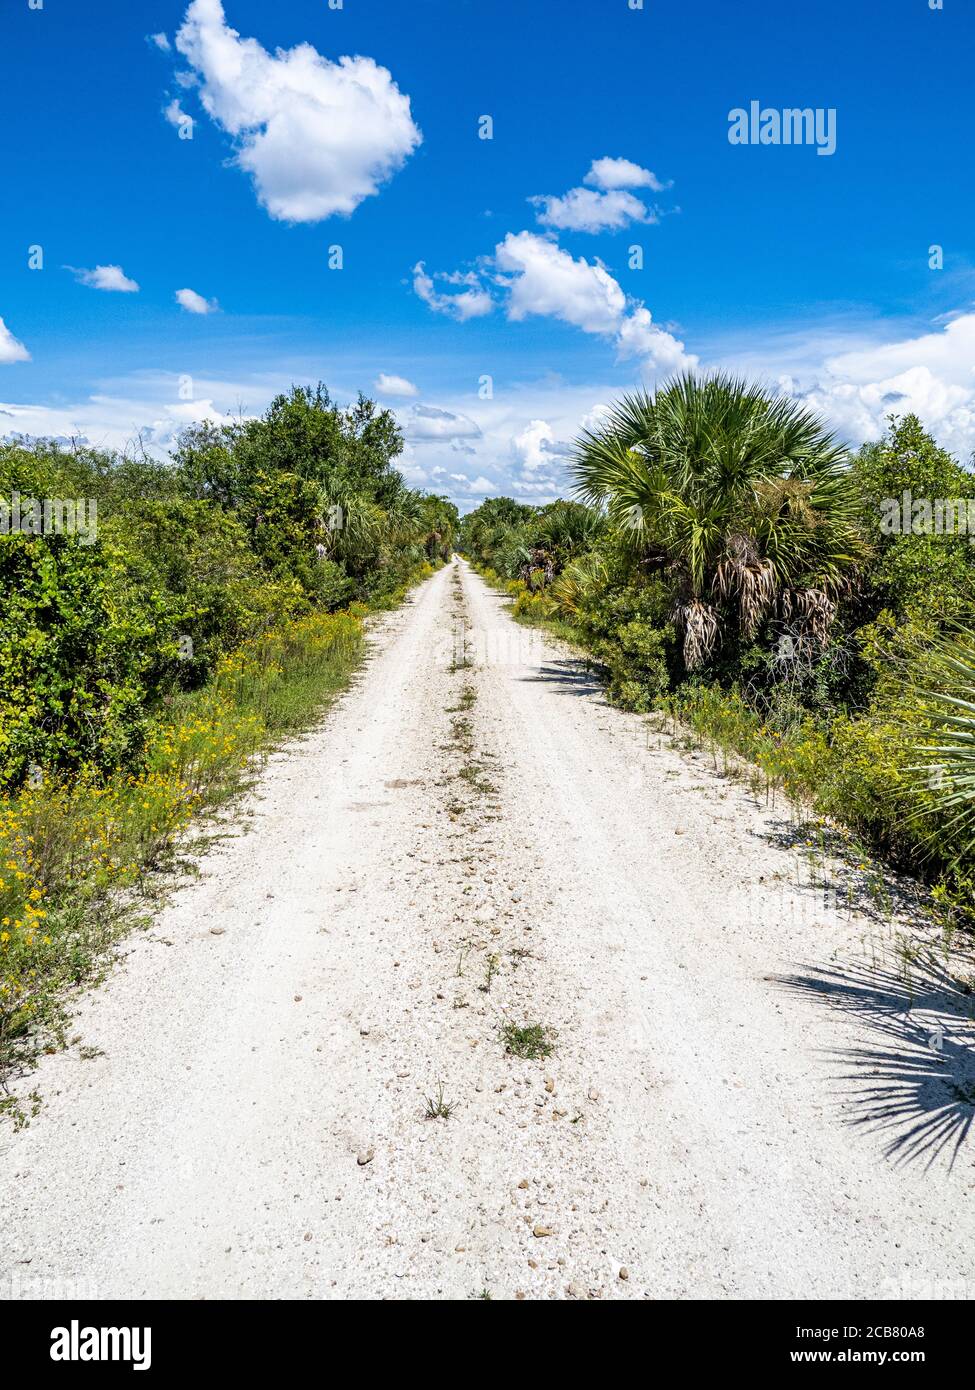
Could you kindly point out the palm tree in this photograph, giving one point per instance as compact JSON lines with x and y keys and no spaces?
{"x":439,"y":522}
{"x":554,"y":536}
{"x":742,"y":497}
{"x":568,"y":591}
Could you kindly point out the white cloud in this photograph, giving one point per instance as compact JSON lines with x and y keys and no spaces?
{"x":536,"y":447}
{"x":11,"y":349}
{"x":597,"y":417}
{"x":539,"y":279}
{"x":194,"y":303}
{"x":176,"y":116}
{"x":112,"y":421}
{"x":522,"y":446}
{"x":387,"y":385}
{"x":931,"y":375}
{"x":161,"y":42}
{"x":546,"y":280}
{"x":856,"y":374}
{"x":317,"y":137}
{"x":480,"y":484}
{"x":472,"y":303}
{"x":461,"y":434}
{"x":583,"y":210}
{"x":610,"y":174}
{"x":105,"y":277}
{"x":640,"y":337}
{"x":431,"y":423}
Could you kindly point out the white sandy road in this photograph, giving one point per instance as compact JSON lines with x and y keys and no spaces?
{"x":693,"y":1134}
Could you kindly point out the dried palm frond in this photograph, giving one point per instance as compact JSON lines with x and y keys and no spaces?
{"x":811,"y":610}
{"x":699,"y":622}
{"x":741,"y":573}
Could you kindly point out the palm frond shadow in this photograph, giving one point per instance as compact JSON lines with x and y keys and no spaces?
{"x":913,"y":1080}
{"x":570,"y":675}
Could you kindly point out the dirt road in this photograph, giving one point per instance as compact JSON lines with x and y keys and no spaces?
{"x":739,"y":1101}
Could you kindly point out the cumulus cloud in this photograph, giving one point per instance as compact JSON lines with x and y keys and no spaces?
{"x":387,"y":385}
{"x":523,"y":445}
{"x":538,"y":278}
{"x":536,"y":447}
{"x":931,"y":375}
{"x":606,"y":205}
{"x":316,"y":137}
{"x":595,"y":418}
{"x":194,"y":303}
{"x":640,"y":337}
{"x":11,"y":349}
{"x":471,"y":303}
{"x":479,"y":484}
{"x":531,"y":275}
{"x":161,"y":42}
{"x":105,"y":277}
{"x":431,"y":423}
{"x":544,"y":279}
{"x":611,"y":174}
{"x":585,"y":210}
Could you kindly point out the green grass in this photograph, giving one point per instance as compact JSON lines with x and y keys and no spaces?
{"x":466,"y":701}
{"x":531,"y":1041}
{"x":437,"y":1107}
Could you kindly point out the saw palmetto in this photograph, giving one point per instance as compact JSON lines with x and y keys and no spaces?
{"x":743,"y":497}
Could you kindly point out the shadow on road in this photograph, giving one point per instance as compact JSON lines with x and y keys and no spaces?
{"x":571,"y":677}
{"x":913,"y":1079}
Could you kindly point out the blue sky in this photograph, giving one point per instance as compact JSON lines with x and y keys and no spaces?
{"x":808,"y":271}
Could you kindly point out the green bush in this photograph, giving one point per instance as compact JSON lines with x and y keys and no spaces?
{"x":251,"y":525}
{"x":75,"y":656}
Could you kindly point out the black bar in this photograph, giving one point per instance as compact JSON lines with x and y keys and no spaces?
{"x":250,"y":1338}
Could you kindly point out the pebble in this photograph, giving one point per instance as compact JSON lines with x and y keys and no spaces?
{"x":539,"y":1231}
{"x":365,"y":1157}
{"x":576,"y":1290}
{"x":624,"y":1274}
